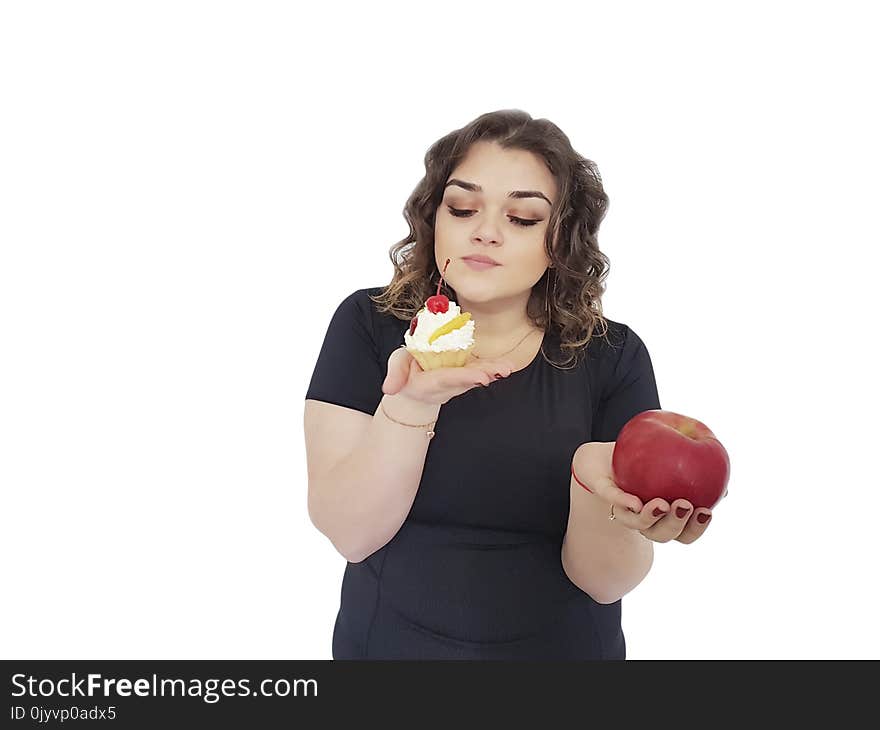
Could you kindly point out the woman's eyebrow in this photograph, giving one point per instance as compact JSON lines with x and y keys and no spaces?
{"x":474,"y":188}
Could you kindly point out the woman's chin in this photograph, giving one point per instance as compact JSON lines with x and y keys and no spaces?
{"x":476,"y":293}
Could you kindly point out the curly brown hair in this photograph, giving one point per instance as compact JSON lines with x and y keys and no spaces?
{"x":573,"y":309}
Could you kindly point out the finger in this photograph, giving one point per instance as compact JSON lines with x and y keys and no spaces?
{"x":670,"y":526}
{"x":497,"y":371}
{"x":399,"y":364}
{"x":504,"y":367}
{"x":496,"y":366}
{"x":467,"y":377}
{"x":610,"y":492}
{"x":650,"y":513}
{"x":653,"y":511}
{"x":696,"y":526}
{"x":471,"y":376}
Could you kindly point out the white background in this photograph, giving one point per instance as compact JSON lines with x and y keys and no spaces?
{"x":188,"y":190}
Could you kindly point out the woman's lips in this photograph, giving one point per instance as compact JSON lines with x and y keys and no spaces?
{"x":479,"y":265}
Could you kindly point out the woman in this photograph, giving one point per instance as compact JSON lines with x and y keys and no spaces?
{"x":475,"y":520}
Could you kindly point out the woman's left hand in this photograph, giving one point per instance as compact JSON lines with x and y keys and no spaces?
{"x":657,"y":520}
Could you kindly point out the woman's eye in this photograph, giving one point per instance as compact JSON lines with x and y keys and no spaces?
{"x":525,"y":222}
{"x":460,"y":213}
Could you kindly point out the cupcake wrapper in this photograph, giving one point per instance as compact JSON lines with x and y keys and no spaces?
{"x":446,"y":359}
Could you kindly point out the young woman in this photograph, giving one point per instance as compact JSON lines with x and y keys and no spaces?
{"x":475,"y":505}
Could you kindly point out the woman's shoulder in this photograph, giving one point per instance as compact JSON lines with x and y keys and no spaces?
{"x":603,"y":341}
{"x":383,"y":329}
{"x":364,"y":299}
{"x":615,"y":348}
{"x":601,"y":351}
{"x":610,"y":337}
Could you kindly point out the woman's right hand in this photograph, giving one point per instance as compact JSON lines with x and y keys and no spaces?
{"x":406,"y":377}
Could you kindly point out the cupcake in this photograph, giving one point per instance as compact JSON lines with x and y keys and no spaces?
{"x":440,"y":335}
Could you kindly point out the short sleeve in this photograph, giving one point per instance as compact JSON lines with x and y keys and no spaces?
{"x":348,"y":371}
{"x":629,"y":388}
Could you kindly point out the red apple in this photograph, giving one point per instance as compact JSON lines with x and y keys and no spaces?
{"x":664,"y":454}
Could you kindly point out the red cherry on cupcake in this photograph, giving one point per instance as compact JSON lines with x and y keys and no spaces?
{"x":439,"y":303}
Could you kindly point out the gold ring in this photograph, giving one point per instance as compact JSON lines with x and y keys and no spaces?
{"x":611,"y":517}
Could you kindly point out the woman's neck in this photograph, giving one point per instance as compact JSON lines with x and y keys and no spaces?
{"x":499,"y":324}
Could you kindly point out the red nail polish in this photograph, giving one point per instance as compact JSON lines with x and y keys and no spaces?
{"x":703,"y":518}
{"x":680,"y":512}
{"x":658,"y":511}
{"x":498,"y":375}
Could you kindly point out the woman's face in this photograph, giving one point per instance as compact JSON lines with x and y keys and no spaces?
{"x":484,"y":220}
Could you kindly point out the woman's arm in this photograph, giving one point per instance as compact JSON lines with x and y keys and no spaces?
{"x":363,"y":499}
{"x":601,"y":556}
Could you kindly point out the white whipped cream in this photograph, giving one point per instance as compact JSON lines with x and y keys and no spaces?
{"x":458,"y":339}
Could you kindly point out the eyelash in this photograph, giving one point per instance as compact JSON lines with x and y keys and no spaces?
{"x":524,"y":222}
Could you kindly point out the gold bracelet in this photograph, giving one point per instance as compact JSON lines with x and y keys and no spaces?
{"x":411,"y":425}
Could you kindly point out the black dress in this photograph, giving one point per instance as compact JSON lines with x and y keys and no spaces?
{"x":475,"y":570}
